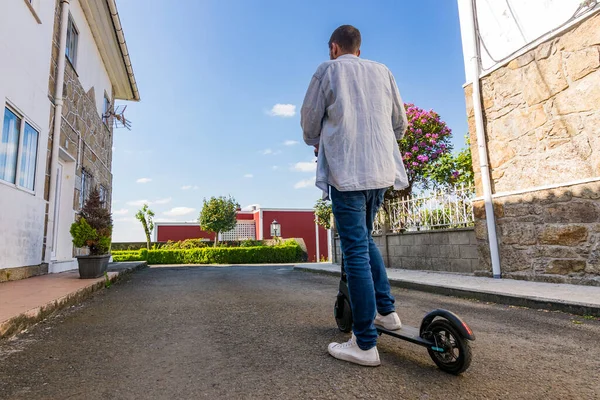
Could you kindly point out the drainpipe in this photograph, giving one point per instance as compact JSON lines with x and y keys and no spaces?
{"x":482,"y":146}
{"x":58,"y":105}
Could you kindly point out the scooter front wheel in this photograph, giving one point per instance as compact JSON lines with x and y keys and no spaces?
{"x":452,"y":352}
{"x":343,"y":314}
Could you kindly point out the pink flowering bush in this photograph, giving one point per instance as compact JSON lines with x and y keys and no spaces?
{"x":427,"y":138}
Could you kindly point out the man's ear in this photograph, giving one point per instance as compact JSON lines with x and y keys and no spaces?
{"x":358,"y":53}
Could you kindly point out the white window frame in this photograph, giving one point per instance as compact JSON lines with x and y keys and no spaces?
{"x":103,"y":191}
{"x":86,"y":181}
{"x":70,"y":28}
{"x":106,"y":110}
{"x":8,"y":105}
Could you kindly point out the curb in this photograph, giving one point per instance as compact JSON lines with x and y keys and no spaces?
{"x":31,"y":317}
{"x":492,"y":297}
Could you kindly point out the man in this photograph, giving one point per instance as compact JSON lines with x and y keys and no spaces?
{"x":353,"y":115}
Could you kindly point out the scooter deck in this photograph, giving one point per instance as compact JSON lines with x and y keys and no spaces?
{"x":409,"y":333}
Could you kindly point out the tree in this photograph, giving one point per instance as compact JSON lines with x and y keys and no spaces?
{"x":323,"y":213}
{"x":218,"y":215}
{"x":93,"y":229}
{"x":451,"y":170}
{"x":145,"y":215}
{"x":427,"y":138}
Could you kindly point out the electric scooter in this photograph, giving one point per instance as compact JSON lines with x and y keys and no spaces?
{"x":445,"y":335}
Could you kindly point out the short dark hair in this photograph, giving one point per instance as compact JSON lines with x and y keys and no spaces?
{"x":347,"y":37}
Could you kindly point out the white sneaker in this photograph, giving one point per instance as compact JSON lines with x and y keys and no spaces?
{"x":349,"y":351}
{"x":391,"y":322}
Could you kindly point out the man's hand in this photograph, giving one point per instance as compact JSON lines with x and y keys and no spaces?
{"x":316,"y":150}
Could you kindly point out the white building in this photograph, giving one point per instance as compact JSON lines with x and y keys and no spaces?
{"x":47,"y":46}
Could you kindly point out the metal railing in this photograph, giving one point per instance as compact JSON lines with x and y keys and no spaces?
{"x":443,"y":209}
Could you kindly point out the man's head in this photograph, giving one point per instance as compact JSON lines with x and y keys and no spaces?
{"x":344,"y":40}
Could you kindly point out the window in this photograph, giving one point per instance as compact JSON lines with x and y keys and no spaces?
{"x":103,"y":195}
{"x":28,"y":157}
{"x":18,"y":151}
{"x":72,"y":40}
{"x":9,"y":147}
{"x":86,"y":185}
{"x":106,"y":110}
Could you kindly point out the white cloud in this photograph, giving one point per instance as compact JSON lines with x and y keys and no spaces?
{"x":144,"y":180}
{"x":248,"y":176}
{"x":290,"y":142}
{"x":267,"y":151}
{"x":304,"y":183}
{"x":138,"y":203}
{"x":283,"y":110}
{"x":275,"y":167}
{"x":179,"y":211}
{"x":305,"y":166}
{"x":163,"y":201}
{"x":122,"y":211}
{"x":186,"y":187}
{"x":126,"y":219}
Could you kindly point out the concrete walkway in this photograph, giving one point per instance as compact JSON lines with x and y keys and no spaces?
{"x":576,"y":299}
{"x":28,"y":301}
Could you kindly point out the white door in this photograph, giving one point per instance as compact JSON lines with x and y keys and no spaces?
{"x":59,"y":174}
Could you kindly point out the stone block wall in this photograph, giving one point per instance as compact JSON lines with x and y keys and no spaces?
{"x":542,"y":126}
{"x":83,"y":134}
{"x":446,"y":251}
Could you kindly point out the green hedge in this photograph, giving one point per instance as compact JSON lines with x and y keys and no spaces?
{"x":287,"y":252}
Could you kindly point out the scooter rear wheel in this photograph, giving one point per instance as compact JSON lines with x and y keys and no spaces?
{"x":344,"y":319}
{"x":456,"y":355}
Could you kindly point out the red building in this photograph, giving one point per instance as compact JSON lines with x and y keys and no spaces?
{"x":256,"y":224}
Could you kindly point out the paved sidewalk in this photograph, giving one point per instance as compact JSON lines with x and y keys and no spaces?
{"x":28,"y":301}
{"x":576,"y":299}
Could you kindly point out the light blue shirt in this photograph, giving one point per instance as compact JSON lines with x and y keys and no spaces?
{"x":354,"y":112}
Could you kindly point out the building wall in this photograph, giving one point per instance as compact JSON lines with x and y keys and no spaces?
{"x":443,"y":250}
{"x":181,"y":232}
{"x":25,"y":49}
{"x":542,"y":125}
{"x":85,"y":139}
{"x":294,"y":224}
{"x":298,"y":224}
{"x":505,"y":27}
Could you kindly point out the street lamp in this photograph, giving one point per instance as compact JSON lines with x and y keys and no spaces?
{"x":275,"y":229}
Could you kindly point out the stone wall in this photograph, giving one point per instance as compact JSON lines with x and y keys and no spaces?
{"x":549,"y":235}
{"x":84,"y":135}
{"x":447,"y":251}
{"x":542,"y":125}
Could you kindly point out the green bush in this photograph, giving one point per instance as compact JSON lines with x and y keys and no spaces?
{"x":252,"y":243}
{"x":185,"y":244}
{"x":287,"y":252}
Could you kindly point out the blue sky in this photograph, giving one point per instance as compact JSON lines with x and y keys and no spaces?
{"x":211,"y":74}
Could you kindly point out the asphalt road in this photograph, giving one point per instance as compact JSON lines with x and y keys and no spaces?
{"x":262,"y":333}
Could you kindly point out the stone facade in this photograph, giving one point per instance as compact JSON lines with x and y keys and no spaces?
{"x":84,"y":135}
{"x":542,"y":125}
{"x":443,"y":250}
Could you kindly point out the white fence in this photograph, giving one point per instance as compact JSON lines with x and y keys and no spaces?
{"x":244,"y":230}
{"x":448,"y":209}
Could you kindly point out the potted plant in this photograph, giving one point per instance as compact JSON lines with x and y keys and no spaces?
{"x":93,"y":229}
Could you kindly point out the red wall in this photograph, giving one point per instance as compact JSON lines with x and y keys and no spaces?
{"x":294,"y":224}
{"x":298,"y":224}
{"x":182,"y":232}
{"x":257,"y":224}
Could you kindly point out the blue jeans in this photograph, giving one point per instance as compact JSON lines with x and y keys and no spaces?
{"x":368,"y":283}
